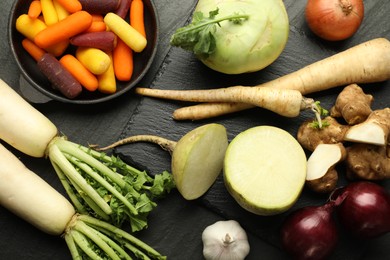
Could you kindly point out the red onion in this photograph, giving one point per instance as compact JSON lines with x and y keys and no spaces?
{"x":334,"y":20}
{"x":310,"y":232}
{"x":364,"y":209}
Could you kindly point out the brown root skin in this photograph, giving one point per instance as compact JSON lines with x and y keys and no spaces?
{"x":374,"y":130}
{"x":326,"y":184}
{"x":368,"y":162}
{"x":309,"y":137}
{"x":324,"y":160}
{"x":352,"y":104}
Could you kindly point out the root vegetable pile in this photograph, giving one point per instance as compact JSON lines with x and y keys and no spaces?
{"x":54,"y":30}
{"x":96,"y":183}
{"x":353,"y":134}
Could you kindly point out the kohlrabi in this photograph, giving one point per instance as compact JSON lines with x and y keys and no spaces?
{"x":234,"y":37}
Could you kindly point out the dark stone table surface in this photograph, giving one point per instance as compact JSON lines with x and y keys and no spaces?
{"x":176,"y":225}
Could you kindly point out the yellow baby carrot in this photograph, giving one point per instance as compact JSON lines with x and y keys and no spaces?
{"x":135,"y":40}
{"x":80,"y":72}
{"x":62,"y":13}
{"x":95,"y":60}
{"x":49,"y":12}
{"x":107,"y":80}
{"x":63,"y":30}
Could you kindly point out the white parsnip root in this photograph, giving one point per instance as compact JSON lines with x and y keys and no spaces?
{"x":367,"y":62}
{"x":285,"y":102}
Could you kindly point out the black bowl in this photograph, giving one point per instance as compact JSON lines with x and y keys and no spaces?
{"x":30,"y":71}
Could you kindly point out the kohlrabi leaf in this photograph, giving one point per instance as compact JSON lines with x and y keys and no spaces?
{"x":198,"y":36}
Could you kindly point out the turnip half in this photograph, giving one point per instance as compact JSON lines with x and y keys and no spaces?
{"x":197,"y":158}
{"x":265,"y":170}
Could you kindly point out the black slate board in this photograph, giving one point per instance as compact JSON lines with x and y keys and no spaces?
{"x":176,"y":225}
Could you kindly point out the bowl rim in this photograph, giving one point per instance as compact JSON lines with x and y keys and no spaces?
{"x":58,"y":97}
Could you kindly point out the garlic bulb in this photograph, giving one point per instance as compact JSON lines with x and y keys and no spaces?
{"x":225,"y":240}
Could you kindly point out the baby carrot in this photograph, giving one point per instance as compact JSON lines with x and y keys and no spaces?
{"x":123,"y":61}
{"x":32,"y":49}
{"x":97,"y":26}
{"x":107,"y":81}
{"x":63,"y":30}
{"x":49,"y":12}
{"x":71,"y":6}
{"x":62,"y":13}
{"x":135,"y":40}
{"x":34,"y":10}
{"x":95,"y":60}
{"x":80,"y":72}
{"x":137,"y":16}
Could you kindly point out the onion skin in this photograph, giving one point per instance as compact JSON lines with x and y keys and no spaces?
{"x":310,"y":232}
{"x":334,"y":20}
{"x":365,"y":209}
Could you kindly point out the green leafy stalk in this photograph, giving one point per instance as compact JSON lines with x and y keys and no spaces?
{"x":319,"y":112}
{"x":199,"y":35}
{"x":106,"y":187}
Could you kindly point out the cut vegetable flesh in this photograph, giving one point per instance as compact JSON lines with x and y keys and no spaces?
{"x":265,"y":170}
{"x":366,"y":133}
{"x":197,"y":159}
{"x":319,"y":162}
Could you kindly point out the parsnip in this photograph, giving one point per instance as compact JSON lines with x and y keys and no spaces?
{"x":367,"y":62}
{"x":285,"y":102}
{"x":28,"y":130}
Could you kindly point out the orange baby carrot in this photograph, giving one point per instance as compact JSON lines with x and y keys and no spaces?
{"x":97,"y":18}
{"x":97,"y":26}
{"x":79,"y":72}
{"x":32,"y":49}
{"x":122,"y":61}
{"x":63,"y":30}
{"x":71,"y":6}
{"x":137,"y":16}
{"x":34,"y":10}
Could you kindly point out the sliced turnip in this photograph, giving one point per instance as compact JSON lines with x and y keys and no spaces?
{"x":197,"y":158}
{"x":321,"y":173}
{"x":265,"y":170}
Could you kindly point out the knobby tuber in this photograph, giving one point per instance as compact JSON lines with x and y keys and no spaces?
{"x":368,"y":162}
{"x":352,"y":104}
{"x":322,"y":175}
{"x":309,"y":136}
{"x":374,"y":130}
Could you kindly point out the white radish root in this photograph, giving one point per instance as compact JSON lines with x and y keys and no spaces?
{"x":367,"y":62}
{"x":28,"y":130}
{"x":31,"y":198}
{"x":321,"y":174}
